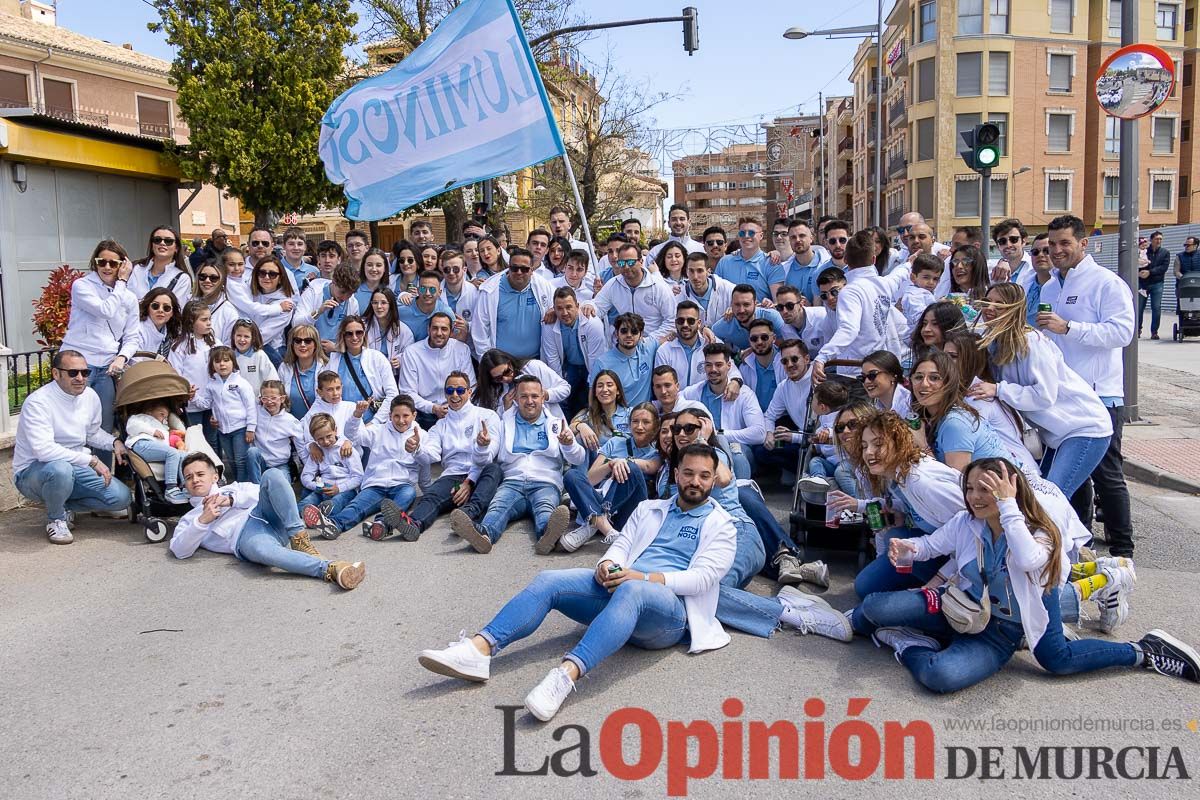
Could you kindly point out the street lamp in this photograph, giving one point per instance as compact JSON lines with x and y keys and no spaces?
{"x":796,"y":33}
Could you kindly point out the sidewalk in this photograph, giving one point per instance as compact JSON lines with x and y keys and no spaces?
{"x":1164,"y":448}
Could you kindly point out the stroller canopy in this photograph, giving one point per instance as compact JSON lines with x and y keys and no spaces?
{"x":151,"y":380}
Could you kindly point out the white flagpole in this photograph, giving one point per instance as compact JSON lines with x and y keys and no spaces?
{"x":587,"y":231}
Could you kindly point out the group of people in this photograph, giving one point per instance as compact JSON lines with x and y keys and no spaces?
{"x":971,"y":413}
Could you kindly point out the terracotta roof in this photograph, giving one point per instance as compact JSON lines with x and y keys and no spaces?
{"x":66,"y":41}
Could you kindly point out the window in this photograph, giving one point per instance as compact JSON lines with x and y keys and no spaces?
{"x":60,"y":98}
{"x":1114,"y":18}
{"x":1058,"y":192}
{"x":1112,"y":190}
{"x":14,"y":89}
{"x":1166,"y":17}
{"x":927,"y":25}
{"x":1058,"y":133}
{"x":1001,"y":121}
{"x":962,"y":124}
{"x":997,"y":73}
{"x":1183,"y":187}
{"x":1162,"y":135}
{"x":926,"y":147}
{"x":966,"y":196}
{"x":926,"y":80}
{"x":1062,"y":16}
{"x":970,"y":17}
{"x":154,"y":117}
{"x":924,"y":199}
{"x":1061,"y":66}
{"x":1185,"y":131}
{"x":1189,"y":22}
{"x":970,"y":75}
{"x":998,"y":206}
{"x":1161,"y":191}
{"x":1187,"y":74}
{"x":999,"y":19}
{"x":1112,"y":136}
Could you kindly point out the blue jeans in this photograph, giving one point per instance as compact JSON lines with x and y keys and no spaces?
{"x":642,"y":613}
{"x":106,"y":388}
{"x":785,"y":458}
{"x":881,"y":576}
{"x":266,"y":536}
{"x":436,"y":499}
{"x":273,"y":355}
{"x":748,"y":612}
{"x":233,"y":453}
{"x":841,"y":472}
{"x":742,"y":463}
{"x":158,"y":450}
{"x":618,"y":501}
{"x":514,"y":499}
{"x":1155,"y":292}
{"x":749,"y":557}
{"x":256,"y":464}
{"x":211,"y":434}
{"x":1059,"y":656}
{"x":1073,"y":462}
{"x":769,"y":530}
{"x":340,"y":500}
{"x":62,"y":486}
{"x":367,"y":501}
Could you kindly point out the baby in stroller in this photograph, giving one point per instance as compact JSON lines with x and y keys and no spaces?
{"x":153,"y":434}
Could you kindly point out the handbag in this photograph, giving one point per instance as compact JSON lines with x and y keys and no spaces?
{"x":1031,"y":437}
{"x":963,"y":612}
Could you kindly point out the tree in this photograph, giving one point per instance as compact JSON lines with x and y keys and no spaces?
{"x":254,"y":78}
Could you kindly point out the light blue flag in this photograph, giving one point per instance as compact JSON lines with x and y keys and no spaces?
{"x":465,"y":106}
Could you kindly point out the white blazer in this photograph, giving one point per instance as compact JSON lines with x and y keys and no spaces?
{"x":592,"y":341}
{"x":483,"y":326}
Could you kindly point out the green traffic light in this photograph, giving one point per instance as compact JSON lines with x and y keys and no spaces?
{"x":987,"y":156}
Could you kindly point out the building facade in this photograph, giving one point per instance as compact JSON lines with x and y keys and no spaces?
{"x":719,"y":188}
{"x":832,"y":152}
{"x":789,"y":169}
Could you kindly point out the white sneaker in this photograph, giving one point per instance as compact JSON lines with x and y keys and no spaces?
{"x":1113,"y":599}
{"x":176,"y":495}
{"x":809,"y":614}
{"x":577,"y":537}
{"x":460,"y":660}
{"x":547,"y":697}
{"x":814,"y":483}
{"x":58,"y":532}
{"x":902,"y":638}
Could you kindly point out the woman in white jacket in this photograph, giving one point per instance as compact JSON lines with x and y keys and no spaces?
{"x":104,"y":325}
{"x":159,"y":326}
{"x":164,"y":265}
{"x":657,"y":583}
{"x":366,"y":373}
{"x":1032,"y":377}
{"x":1006,"y":550}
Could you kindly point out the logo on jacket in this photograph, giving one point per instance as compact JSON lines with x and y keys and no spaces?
{"x":689,"y":532}
{"x":1071,"y":300}
{"x":531,"y":301}
{"x":465,"y":314}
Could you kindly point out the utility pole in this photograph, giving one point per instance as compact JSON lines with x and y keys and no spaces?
{"x":1128,"y":206}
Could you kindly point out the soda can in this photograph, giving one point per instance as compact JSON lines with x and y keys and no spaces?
{"x":875,"y":515}
{"x":1045,"y":307}
{"x":914,"y":422}
{"x":613,"y":568}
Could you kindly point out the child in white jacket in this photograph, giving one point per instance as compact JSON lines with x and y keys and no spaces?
{"x":189,"y":357}
{"x":277,"y":433}
{"x":148,"y":433}
{"x":332,"y":482}
{"x":253,"y":363}
{"x":232,"y":403}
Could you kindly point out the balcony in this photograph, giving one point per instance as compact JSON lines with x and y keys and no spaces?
{"x":896,"y":112}
{"x":846,"y":181}
{"x":156,"y":130}
{"x":845,"y":143}
{"x":893,"y":217}
{"x":71,"y":115}
{"x":897,"y":166}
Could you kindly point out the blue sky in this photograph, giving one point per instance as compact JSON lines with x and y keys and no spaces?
{"x":744,"y":71}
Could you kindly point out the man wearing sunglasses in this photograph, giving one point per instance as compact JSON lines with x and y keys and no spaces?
{"x":261,"y":243}
{"x":760,"y":367}
{"x":632,"y":359}
{"x":685,"y":352}
{"x":807,"y":323}
{"x":739,"y":419}
{"x":427,"y":362}
{"x":509,"y":309}
{"x":801,"y":269}
{"x":416,"y":315}
{"x":750,"y":265}
{"x":51,"y":460}
{"x":1040,"y":273}
{"x":714,"y":240}
{"x":1014,"y":265}
{"x":679,"y":221}
{"x":634,"y":291}
{"x":571,"y":346}
{"x":734,"y":328}
{"x":837,"y":236}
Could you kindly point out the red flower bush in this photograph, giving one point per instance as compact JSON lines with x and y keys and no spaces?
{"x":52,"y":310}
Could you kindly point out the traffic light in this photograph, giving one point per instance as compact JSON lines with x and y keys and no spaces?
{"x":691,"y":30}
{"x":983,"y":146}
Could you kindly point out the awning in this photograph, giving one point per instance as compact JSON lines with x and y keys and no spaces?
{"x":21,"y":142}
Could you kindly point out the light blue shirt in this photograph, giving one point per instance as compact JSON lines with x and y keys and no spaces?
{"x":619,"y":447}
{"x":959,"y":431}
{"x":995,"y":571}
{"x":764,"y":389}
{"x":675,"y":545}
{"x":518,"y":321}
{"x":759,"y":272}
{"x":417,"y":320}
{"x":712,"y":402}
{"x":327,"y":322}
{"x":804,"y":278}
{"x":572,"y":352}
{"x":633,"y":369}
{"x":530,"y":436}
{"x":731,"y":332}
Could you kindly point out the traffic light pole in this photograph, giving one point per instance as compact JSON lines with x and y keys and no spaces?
{"x":687,"y":17}
{"x":985,"y":212}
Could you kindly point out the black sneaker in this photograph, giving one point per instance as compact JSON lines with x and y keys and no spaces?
{"x":1166,"y":655}
{"x":400,"y":522}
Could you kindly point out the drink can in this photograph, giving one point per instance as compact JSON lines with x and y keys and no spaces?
{"x":875,"y":515}
{"x":612,"y":568}
{"x":914,"y":422}
{"x":1046,"y":307}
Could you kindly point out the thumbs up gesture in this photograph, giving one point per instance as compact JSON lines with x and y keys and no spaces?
{"x":482,"y":439}
{"x":414,"y":441}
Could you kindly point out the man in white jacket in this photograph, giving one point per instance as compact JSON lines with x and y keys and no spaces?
{"x":51,"y":460}
{"x":1092,"y":322}
{"x":663,"y":571}
{"x":510,"y":307}
{"x":634,"y":291}
{"x":532,"y":447}
{"x":714,"y":295}
{"x":424,"y":365}
{"x":571,"y":344}
{"x":255,"y":523}
{"x":740,"y":419}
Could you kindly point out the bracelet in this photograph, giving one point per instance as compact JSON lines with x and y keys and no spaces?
{"x":645,"y":576}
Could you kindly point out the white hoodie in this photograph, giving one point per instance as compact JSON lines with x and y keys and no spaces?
{"x":864,"y":321}
{"x":652,"y":300}
{"x":542,"y":466}
{"x":423,"y":371}
{"x":451,"y":440}
{"x":221,"y":535}
{"x":104,"y":321}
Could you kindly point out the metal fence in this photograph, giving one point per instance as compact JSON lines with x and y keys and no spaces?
{"x":1105,"y":249}
{"x":26,"y":372}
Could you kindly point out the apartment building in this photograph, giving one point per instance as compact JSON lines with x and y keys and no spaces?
{"x":1028,"y":66}
{"x":789,"y":171}
{"x":833,"y":159}
{"x":718,"y":188}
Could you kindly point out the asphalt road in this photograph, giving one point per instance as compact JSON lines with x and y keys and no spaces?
{"x":129,"y":674}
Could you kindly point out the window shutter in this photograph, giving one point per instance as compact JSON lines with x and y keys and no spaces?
{"x":998,"y":73}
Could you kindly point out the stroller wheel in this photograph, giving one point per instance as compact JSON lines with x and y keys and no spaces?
{"x":156,"y":530}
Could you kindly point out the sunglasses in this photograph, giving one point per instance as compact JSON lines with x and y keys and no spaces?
{"x":842,"y":427}
{"x":266,"y":243}
{"x":714,"y":242}
{"x":162,"y":240}
{"x":762,"y":337}
{"x":453,"y":390}
{"x":304,"y":340}
{"x":161,"y":307}
{"x":508,"y":373}
{"x":354,"y":334}
{"x":1039,"y":251}
{"x":687,"y":428}
{"x":870,"y":376}
{"x":406,"y":260}
{"x":268,"y":273}
{"x":208,"y":277}
{"x":903,"y":229}
{"x":519,"y":270}
{"x":427,"y":290}
{"x":106,"y":262}
{"x":779,"y":234}
{"x":787,"y":306}
{"x":75,"y":373}
{"x":747,"y":234}
{"x":627,"y":332}
{"x":1003,"y":240}
{"x":686,"y":321}
{"x":831,"y":293}
{"x":792,"y":360}
{"x":837,"y":240}
{"x":623,"y":263}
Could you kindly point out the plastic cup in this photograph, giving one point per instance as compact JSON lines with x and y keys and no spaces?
{"x":833,"y":518}
{"x":904,"y":561}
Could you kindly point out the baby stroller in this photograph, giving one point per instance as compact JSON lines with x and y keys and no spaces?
{"x":1187,"y":290}
{"x":155,"y":380}
{"x":807,"y":520}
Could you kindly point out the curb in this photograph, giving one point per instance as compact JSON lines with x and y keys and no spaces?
{"x":1148,"y":473}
